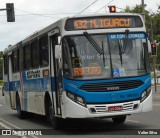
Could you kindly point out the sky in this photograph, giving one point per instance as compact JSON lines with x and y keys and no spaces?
{"x":33,"y":15}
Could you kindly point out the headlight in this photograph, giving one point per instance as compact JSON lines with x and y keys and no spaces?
{"x":80,"y":101}
{"x":76,"y":98}
{"x":145,"y":94}
{"x":70,"y":96}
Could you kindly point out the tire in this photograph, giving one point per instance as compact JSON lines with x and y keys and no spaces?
{"x":119,"y":120}
{"x":55,"y":122}
{"x":20,"y":113}
{"x":2,"y":91}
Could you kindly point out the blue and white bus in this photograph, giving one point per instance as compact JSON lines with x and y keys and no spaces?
{"x":91,"y":66}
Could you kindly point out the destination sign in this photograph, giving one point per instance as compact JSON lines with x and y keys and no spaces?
{"x":103,"y":22}
{"x":87,"y":71}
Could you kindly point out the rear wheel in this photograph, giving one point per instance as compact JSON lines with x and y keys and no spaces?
{"x":20,"y":113}
{"x":119,"y":120}
{"x":2,"y":91}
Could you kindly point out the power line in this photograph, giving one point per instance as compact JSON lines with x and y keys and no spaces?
{"x":88,"y":6}
{"x":45,"y":13}
{"x":49,"y":15}
{"x":104,"y":6}
{"x":30,"y":13}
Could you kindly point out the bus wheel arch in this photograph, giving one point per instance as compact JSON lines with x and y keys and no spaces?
{"x":20,"y":113}
{"x":49,"y":112}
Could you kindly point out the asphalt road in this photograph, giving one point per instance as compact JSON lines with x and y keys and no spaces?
{"x":85,"y":127}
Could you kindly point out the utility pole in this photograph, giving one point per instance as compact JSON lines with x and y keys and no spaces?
{"x":154,"y":56}
{"x":143,"y":13}
{"x":154,"y":67}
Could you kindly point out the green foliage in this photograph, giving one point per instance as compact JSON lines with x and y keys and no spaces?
{"x":138,"y":9}
{"x":155,"y":19}
{"x":1,"y":64}
{"x":156,"y":25}
{"x":1,"y":82}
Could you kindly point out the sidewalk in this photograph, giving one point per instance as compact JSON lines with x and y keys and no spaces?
{"x":157,"y":89}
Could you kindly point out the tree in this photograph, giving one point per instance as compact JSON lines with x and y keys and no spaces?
{"x":1,"y":65}
{"x":138,"y":9}
{"x":156,"y":26}
{"x":155,"y":19}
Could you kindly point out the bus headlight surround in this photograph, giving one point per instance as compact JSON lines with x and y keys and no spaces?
{"x":145,"y":94}
{"x":76,"y":98}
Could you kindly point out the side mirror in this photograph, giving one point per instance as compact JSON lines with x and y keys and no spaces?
{"x":58,"y":51}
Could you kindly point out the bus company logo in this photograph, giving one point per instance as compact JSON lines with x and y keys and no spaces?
{"x":114,"y":96}
{"x":112,"y":88}
{"x":33,"y":74}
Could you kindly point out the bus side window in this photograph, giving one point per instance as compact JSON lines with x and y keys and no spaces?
{"x":5,"y":64}
{"x":35,"y":54}
{"x":21,"y":65}
{"x":27,"y":57}
{"x":43,"y":48}
{"x":15,"y":61}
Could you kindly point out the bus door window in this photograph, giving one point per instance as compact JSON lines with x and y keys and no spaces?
{"x":66,"y":59}
{"x":57,"y":74}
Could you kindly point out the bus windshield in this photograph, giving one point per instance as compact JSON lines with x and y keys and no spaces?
{"x":123,"y":56}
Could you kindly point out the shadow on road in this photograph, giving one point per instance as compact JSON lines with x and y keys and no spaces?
{"x":85,"y":126}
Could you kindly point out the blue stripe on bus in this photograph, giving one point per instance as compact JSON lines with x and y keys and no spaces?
{"x":104,"y":97}
{"x":25,"y":98}
{"x":43,"y":84}
{"x":36,"y":85}
{"x":30,"y":85}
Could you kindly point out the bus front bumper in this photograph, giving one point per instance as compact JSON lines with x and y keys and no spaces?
{"x":70,"y":109}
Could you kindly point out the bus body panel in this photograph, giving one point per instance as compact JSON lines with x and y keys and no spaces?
{"x":106,"y":96}
{"x":147,"y":104}
{"x":32,"y":89}
{"x":74,"y":110}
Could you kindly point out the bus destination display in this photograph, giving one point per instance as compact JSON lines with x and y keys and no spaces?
{"x":103,"y":23}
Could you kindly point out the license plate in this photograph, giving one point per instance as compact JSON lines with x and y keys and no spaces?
{"x":115,"y":108}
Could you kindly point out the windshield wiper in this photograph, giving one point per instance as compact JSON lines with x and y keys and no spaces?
{"x":126,"y":37}
{"x":125,"y":44}
{"x":93,"y":43}
{"x":120,"y":51}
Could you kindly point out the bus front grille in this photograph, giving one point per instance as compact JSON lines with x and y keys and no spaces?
{"x":111,"y":86}
{"x":128,"y":106}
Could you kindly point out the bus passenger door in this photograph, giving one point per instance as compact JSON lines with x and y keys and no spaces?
{"x":57,"y":73}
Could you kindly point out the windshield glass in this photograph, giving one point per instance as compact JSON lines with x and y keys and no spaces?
{"x":123,"y":55}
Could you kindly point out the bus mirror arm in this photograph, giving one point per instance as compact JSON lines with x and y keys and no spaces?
{"x":58,"y":51}
{"x":59,"y":40}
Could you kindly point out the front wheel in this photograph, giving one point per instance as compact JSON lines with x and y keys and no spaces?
{"x":55,"y":121}
{"x":20,"y":113}
{"x":119,"y":120}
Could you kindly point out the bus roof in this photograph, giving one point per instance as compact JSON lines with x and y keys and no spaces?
{"x":58,"y":22}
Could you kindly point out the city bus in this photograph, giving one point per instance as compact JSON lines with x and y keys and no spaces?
{"x":86,"y":66}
